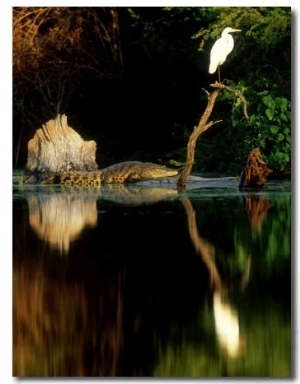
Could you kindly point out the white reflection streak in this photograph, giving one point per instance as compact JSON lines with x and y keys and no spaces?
{"x":227,"y":325}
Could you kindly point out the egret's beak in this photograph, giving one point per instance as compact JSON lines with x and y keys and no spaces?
{"x":236,"y":30}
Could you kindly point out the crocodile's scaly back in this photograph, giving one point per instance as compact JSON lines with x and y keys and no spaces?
{"x":131,"y":171}
{"x":126,"y":172}
{"x":75,"y":178}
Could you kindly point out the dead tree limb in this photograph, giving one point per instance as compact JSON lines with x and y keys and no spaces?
{"x":202,"y":127}
{"x":237,"y":92}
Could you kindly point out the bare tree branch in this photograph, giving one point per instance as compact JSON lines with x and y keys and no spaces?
{"x":237,"y":92}
{"x":203,"y":126}
{"x":52,"y":46}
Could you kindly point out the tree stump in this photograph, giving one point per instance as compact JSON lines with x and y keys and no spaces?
{"x":58,"y":148}
{"x":256,"y":171}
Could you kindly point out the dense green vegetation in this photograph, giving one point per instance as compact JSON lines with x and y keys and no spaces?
{"x":133,"y":79}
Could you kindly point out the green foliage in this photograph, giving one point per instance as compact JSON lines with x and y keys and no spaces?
{"x":263,"y":25}
{"x":263,"y":48}
{"x":269,"y":128}
{"x":263,"y":28}
{"x":165,"y":32}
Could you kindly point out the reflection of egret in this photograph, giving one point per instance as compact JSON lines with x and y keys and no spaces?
{"x":226,"y":318}
{"x":227,"y":325}
{"x":221,"y":49}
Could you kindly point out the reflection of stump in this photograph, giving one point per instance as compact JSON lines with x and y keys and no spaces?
{"x":256,"y":171}
{"x":59,"y":219}
{"x":257,"y":207}
{"x":58,"y":148}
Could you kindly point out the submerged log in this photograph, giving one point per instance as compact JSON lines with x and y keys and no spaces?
{"x":256,"y":171}
{"x":58,"y":148}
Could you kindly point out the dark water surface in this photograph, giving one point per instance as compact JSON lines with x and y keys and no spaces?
{"x":145,"y":281}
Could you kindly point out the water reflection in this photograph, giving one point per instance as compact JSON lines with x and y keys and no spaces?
{"x":257,"y":207}
{"x":58,"y":332}
{"x":160,"y":283}
{"x":225,"y":316}
{"x":59,"y":219}
{"x":227,"y":325}
{"x":135,"y":195}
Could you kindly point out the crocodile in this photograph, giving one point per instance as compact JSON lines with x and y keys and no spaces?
{"x":120,"y":173}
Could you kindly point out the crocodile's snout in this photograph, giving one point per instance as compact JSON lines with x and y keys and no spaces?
{"x":160,"y":171}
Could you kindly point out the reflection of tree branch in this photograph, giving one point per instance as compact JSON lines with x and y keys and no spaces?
{"x":226,"y":317}
{"x":202,"y":246}
{"x":237,"y":92}
{"x":207,"y":251}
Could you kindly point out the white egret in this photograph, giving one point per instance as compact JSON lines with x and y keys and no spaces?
{"x":221,"y":49}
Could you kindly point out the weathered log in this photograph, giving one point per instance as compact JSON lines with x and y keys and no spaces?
{"x":58,"y":148}
{"x":256,"y":171}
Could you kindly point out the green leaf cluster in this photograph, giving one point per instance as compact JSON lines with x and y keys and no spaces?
{"x":269,"y":128}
